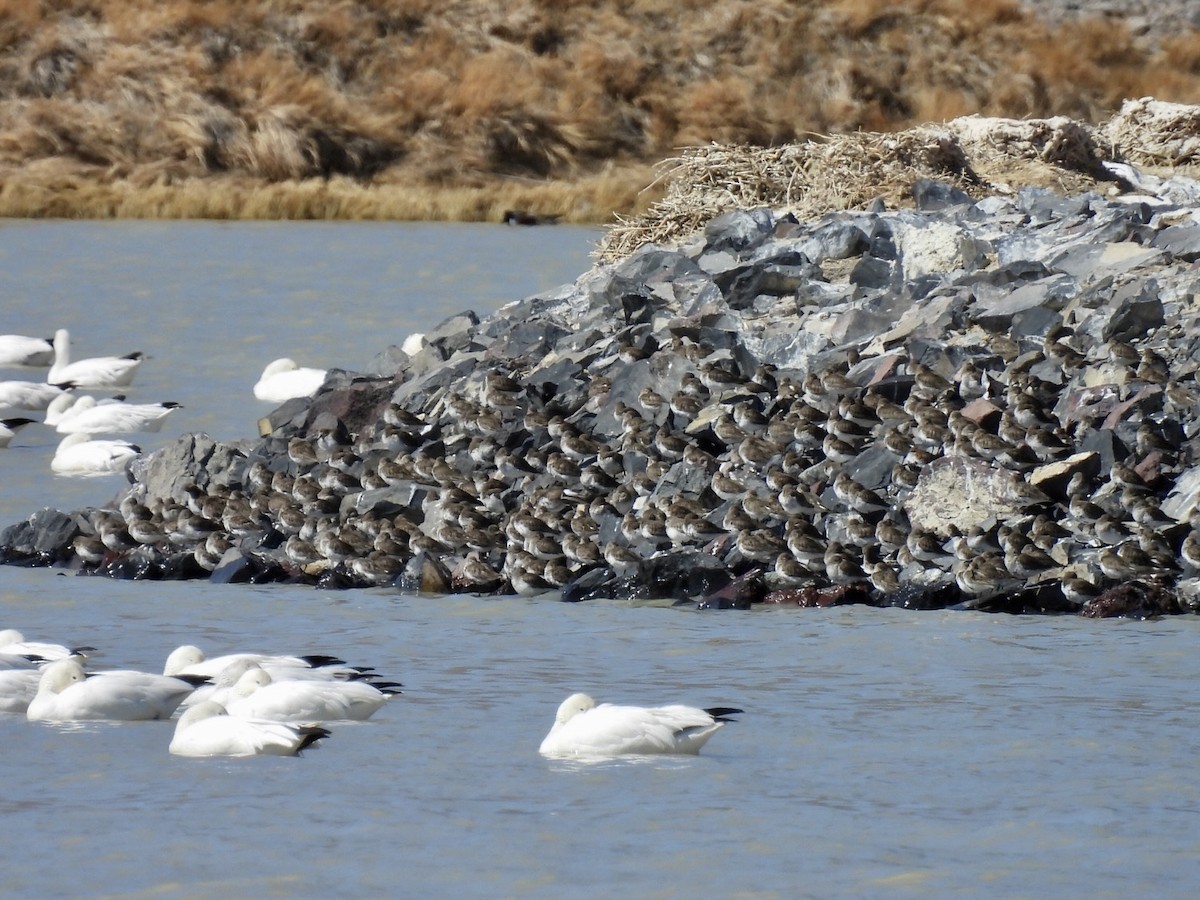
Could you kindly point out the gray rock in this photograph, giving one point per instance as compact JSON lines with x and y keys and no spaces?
{"x":965,"y":493}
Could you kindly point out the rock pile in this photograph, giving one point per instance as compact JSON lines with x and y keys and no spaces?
{"x":983,"y":403}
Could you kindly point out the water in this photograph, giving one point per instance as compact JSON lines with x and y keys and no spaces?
{"x":882,"y":753}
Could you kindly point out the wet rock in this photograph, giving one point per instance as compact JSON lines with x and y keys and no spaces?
{"x":741,"y":593}
{"x":1134,"y":600}
{"x":43,"y":539}
{"x":814,"y":596}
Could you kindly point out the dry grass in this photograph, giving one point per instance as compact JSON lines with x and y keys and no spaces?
{"x":978,"y":155}
{"x":383,"y":105}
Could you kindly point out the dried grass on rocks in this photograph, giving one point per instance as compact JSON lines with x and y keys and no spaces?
{"x":979,"y":155}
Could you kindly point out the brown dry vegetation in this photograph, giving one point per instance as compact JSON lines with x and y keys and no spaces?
{"x":459,"y":110}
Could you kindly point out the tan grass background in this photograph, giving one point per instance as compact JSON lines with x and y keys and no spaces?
{"x":460,"y":109}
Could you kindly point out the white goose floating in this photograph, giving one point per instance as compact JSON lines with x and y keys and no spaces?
{"x":258,"y":696}
{"x":583,"y":729}
{"x":10,"y":427}
{"x":78,"y":455}
{"x":206,"y":729}
{"x":66,"y":693}
{"x":96,"y":372}
{"x":12,"y":642}
{"x":17,"y":688}
{"x":88,"y":416}
{"x":190,"y":660}
{"x":283,"y":380}
{"x":29,"y":395}
{"x":20,"y":350}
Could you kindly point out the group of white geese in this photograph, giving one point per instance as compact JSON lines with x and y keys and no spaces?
{"x":82,"y":418}
{"x":255,"y":704}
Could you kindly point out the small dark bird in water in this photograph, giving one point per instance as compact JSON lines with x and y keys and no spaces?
{"x":524,"y":217}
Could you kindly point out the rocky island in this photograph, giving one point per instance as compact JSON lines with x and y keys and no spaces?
{"x":960,"y":393}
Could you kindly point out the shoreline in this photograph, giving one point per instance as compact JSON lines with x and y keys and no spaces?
{"x":67,"y":193}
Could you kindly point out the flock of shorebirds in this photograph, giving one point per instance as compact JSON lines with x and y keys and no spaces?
{"x":83,"y":418}
{"x":750,"y":467}
{"x":253,"y":704}
{"x":509,"y":489}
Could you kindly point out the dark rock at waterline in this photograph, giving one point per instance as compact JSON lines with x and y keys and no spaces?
{"x":45,"y":538}
{"x":1134,"y":600}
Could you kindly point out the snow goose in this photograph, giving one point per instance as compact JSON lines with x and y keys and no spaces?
{"x":78,"y":455}
{"x":19,"y":350}
{"x":583,"y":729}
{"x":67,"y":693}
{"x":17,"y":688}
{"x":190,"y":660}
{"x":258,"y":696}
{"x":28,"y":395}
{"x":220,"y":686}
{"x":10,"y":427}
{"x":97,"y":372}
{"x":86,"y":416}
{"x":15,"y":661}
{"x":282,"y":380}
{"x":13,"y":643}
{"x":208,"y":730}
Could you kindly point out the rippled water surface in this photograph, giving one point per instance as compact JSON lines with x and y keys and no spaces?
{"x":881,"y":753}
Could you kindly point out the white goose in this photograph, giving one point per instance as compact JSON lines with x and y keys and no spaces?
{"x":190,"y":660}
{"x":17,"y":688}
{"x":15,"y":661}
{"x":66,"y":693}
{"x":97,"y":372}
{"x":78,"y":455}
{"x":206,"y":729}
{"x":283,"y":380}
{"x":13,"y":643}
{"x":31,"y":395}
{"x":19,"y":350}
{"x":583,"y":729}
{"x":87,"y":416}
{"x":258,"y":696}
{"x":10,"y":427}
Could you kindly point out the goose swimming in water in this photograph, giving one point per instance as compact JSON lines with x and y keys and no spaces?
{"x":19,"y":350}
{"x":17,"y":688}
{"x":67,"y":693}
{"x":87,"y":416}
{"x":207,"y":729}
{"x":283,"y":380}
{"x":78,"y":455}
{"x":258,"y":696}
{"x":13,"y":643}
{"x":190,"y":660}
{"x":30,"y":395}
{"x":583,"y":729}
{"x":97,"y":372}
{"x":10,"y":427}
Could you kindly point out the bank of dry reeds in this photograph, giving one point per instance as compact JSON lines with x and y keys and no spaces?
{"x":422,"y":109}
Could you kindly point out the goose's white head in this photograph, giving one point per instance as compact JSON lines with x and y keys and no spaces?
{"x":60,"y":675}
{"x":205,"y":709}
{"x":181,"y":658}
{"x":250,"y":681}
{"x":573,"y":706}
